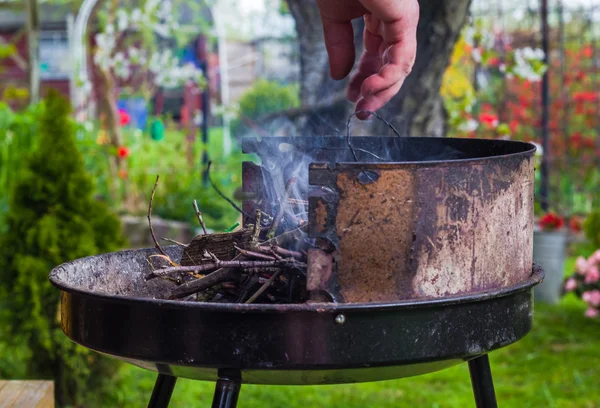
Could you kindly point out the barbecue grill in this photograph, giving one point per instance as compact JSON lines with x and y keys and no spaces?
{"x":431,"y":268}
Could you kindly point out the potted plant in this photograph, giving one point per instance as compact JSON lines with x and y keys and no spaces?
{"x":549,"y":251}
{"x":585,"y":283}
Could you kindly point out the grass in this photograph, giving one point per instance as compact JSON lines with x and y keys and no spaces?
{"x":556,"y":365}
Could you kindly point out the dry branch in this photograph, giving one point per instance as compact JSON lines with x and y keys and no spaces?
{"x":156,"y":244}
{"x":199,"y":215}
{"x":263,"y":287}
{"x":207,"y":282}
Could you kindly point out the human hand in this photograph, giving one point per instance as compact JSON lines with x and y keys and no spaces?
{"x":390,"y":39}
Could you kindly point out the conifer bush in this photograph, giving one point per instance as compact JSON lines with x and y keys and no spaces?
{"x":53,"y":218}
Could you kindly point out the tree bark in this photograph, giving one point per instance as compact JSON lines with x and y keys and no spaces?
{"x":316,"y":86}
{"x":418,"y":108}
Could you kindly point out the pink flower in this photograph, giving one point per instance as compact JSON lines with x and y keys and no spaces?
{"x":591,"y":313}
{"x":592,"y":297}
{"x":592,"y":275}
{"x":595,"y":258}
{"x":581,"y":265}
{"x":571,"y":285}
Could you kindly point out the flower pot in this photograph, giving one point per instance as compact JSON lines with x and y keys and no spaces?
{"x":550,"y":251}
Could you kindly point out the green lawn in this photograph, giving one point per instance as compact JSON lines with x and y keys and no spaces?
{"x":556,"y":365}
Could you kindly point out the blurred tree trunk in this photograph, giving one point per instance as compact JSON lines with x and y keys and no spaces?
{"x":317,"y":89}
{"x":417,"y":110}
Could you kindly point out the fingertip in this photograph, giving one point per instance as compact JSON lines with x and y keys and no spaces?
{"x":338,"y":68}
{"x":360,"y":110}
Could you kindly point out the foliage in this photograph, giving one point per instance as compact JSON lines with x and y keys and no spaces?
{"x":262,"y":98}
{"x":585,"y":283}
{"x":591,"y":226}
{"x":52,"y":218}
{"x":181,"y":177}
{"x":17,"y":139}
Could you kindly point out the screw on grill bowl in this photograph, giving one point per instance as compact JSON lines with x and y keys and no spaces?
{"x":340,"y":319}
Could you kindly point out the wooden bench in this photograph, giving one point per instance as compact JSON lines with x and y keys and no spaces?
{"x":26,"y":394}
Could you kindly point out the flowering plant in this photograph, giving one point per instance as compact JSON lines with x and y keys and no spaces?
{"x":551,"y":222}
{"x":585,"y":283}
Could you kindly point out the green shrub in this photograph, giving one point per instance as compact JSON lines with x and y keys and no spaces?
{"x":262,"y":98}
{"x":591,"y":226}
{"x":17,"y":140}
{"x":52,"y":218}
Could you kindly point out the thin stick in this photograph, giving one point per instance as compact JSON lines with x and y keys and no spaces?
{"x":199,"y":215}
{"x":282,"y":207}
{"x":211,"y":266}
{"x":264,"y":287}
{"x":280,"y":251}
{"x":174,"y":242}
{"x":252,"y":254}
{"x":208,"y":281}
{"x":156,"y":244}
{"x":223,"y":196}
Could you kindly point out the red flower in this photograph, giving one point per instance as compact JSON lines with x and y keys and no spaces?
{"x":514,"y":125}
{"x":122,"y":174}
{"x":576,"y":224}
{"x":489,"y":119}
{"x":124,"y":118}
{"x":551,"y":221}
{"x":122,"y":152}
{"x":584,"y":96}
{"x":494,"y":61}
{"x":576,"y":140}
{"x":587,"y":51}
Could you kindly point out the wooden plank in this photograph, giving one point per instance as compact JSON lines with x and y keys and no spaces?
{"x":25,"y":394}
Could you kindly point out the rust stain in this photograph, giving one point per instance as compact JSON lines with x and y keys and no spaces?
{"x":320,"y":270}
{"x":374,"y":225}
{"x":321,"y":217}
{"x":483,"y":224}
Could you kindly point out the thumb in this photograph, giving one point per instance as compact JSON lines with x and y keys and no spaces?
{"x":339,"y":41}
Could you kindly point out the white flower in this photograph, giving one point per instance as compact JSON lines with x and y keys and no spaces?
{"x":105,"y":41}
{"x":136,"y":56}
{"x":136,"y":16}
{"x":109,"y":29}
{"x":165,"y":9}
{"x":122,"y":20}
{"x":470,"y":125}
{"x":476,"y":54}
{"x":162,"y":29}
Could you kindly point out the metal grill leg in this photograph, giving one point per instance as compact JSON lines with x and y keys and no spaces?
{"x":163,"y":389}
{"x":483,"y":385}
{"x":227,"y":392}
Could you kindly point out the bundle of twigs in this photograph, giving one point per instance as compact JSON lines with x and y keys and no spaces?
{"x":253,"y":264}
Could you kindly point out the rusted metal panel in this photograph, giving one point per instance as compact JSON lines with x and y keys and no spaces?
{"x":428,"y":230}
